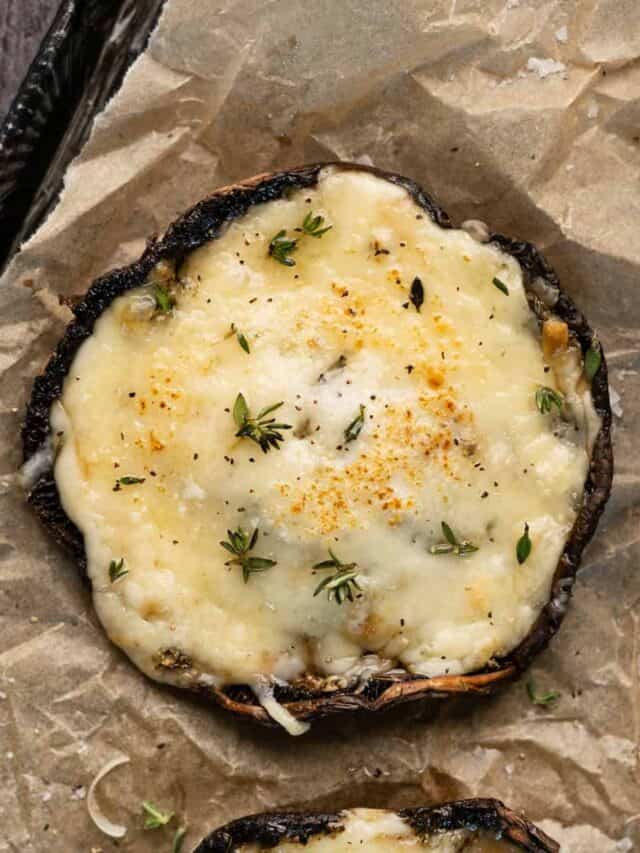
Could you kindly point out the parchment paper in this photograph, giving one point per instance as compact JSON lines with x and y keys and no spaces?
{"x":520,"y":112}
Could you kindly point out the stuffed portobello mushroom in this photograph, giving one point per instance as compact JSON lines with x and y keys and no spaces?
{"x":472,"y":826}
{"x":318,"y":450}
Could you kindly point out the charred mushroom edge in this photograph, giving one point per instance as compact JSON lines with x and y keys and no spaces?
{"x":270,"y":828}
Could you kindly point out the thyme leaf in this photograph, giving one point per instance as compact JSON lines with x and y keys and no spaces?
{"x":523,"y":548}
{"x":154,"y":817}
{"x":131,"y":481}
{"x":281,"y":248}
{"x":500,"y":285}
{"x":165,"y":301}
{"x":541,"y":699}
{"x":355,"y":427}
{"x":117,"y":570}
{"x":240,"y":411}
{"x":178,"y":839}
{"x":240,"y":337}
{"x":340,"y":586}
{"x":338,"y":364}
{"x":547,"y":398}
{"x":416,"y":294}
{"x":244,"y":343}
{"x":592,"y":359}
{"x":312,"y":225}
{"x":239,"y":543}
{"x":449,"y":535}
{"x":266,"y":432}
{"x":452,"y":545}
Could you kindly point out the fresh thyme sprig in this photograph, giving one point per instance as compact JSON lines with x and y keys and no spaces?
{"x":341,"y":585}
{"x":281,"y":247}
{"x":312,"y":225}
{"x":592,"y":359}
{"x":547,"y":398}
{"x":541,"y":699}
{"x":264,"y":431}
{"x":117,"y":570}
{"x":154,"y":818}
{"x":355,"y":427}
{"x":452,"y":545}
{"x":239,"y":544}
{"x":524,"y":545}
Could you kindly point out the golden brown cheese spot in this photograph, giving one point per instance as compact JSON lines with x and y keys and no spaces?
{"x":400,"y":448}
{"x":555,"y":337}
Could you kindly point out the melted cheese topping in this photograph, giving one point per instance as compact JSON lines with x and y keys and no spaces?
{"x":379,"y":831}
{"x":451,"y":433}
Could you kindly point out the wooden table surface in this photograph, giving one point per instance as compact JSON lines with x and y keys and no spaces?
{"x":23,"y":23}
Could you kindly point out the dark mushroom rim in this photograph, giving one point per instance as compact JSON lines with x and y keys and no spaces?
{"x":271,"y":828}
{"x":206,"y":221}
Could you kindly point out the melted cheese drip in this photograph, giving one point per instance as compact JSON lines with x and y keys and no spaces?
{"x":451,"y":434}
{"x":379,"y":831}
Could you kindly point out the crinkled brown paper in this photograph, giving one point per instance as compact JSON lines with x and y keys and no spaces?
{"x":522,"y":113}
